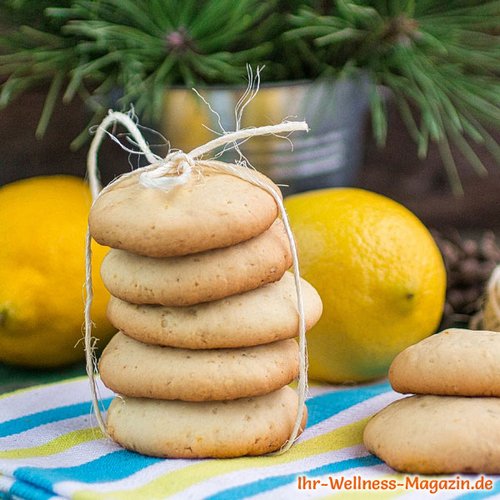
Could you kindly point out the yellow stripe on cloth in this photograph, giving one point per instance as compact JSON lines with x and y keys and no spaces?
{"x":179,"y":480}
{"x":55,"y":446}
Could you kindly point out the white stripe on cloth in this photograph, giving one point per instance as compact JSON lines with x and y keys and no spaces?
{"x":44,"y":397}
{"x":40,"y":435}
{"x":319,"y":388}
{"x":5,"y":483}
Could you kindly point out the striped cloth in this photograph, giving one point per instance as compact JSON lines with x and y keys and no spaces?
{"x":51,"y":449}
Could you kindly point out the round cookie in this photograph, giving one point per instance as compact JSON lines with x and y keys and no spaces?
{"x":202,"y":277}
{"x":214,"y":209}
{"x":437,"y":435}
{"x":179,"y":429}
{"x":135,"y":369}
{"x":229,"y":322}
{"x":454,"y":362}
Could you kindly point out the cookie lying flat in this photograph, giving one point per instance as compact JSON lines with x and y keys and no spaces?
{"x":229,"y":322}
{"x":453,"y":362}
{"x":132,"y":368}
{"x":202,"y":277}
{"x":437,"y":435}
{"x":212,"y":210}
{"x":179,"y":429}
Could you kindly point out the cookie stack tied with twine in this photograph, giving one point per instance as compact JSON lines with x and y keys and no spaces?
{"x":452,"y":422}
{"x":206,"y":308}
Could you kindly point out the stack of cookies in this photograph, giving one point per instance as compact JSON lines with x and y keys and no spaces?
{"x":207,"y":316}
{"x":452,"y":423}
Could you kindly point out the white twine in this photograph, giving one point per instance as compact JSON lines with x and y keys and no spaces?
{"x":494,"y":292}
{"x":165,"y":174}
{"x":491,"y":301}
{"x":101,"y":130}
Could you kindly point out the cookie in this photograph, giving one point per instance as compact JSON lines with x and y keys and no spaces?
{"x":453,"y":362}
{"x":229,"y":322}
{"x":437,"y":435}
{"x":202,"y":277}
{"x":135,"y":369}
{"x":179,"y":429}
{"x":214,"y":209}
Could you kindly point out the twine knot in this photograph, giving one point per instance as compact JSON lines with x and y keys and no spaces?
{"x":174,"y":170}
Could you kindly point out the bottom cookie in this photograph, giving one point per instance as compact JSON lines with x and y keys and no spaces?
{"x":437,"y":435}
{"x":217,"y":429}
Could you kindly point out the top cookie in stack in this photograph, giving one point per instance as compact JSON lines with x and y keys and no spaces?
{"x":199,"y":286}
{"x":213,"y":209}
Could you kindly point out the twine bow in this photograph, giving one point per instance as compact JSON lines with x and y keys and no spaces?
{"x":181,"y":163}
{"x":165,"y":174}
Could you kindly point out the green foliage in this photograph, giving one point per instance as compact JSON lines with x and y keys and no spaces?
{"x":142,"y":46}
{"x":30,"y":12}
{"x":440,"y":59}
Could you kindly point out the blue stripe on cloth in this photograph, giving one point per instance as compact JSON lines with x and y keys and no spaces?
{"x":326,"y":405}
{"x":111,"y":467}
{"x":121,"y":464}
{"x":28,"y":491}
{"x":271,"y":483}
{"x":27,"y":422}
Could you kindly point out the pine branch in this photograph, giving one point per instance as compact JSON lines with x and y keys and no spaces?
{"x":441,"y":58}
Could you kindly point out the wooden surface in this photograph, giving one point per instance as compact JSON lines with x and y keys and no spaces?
{"x":422,"y":185}
{"x":394,"y":171}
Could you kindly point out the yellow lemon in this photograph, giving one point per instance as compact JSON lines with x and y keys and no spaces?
{"x":380,"y":276}
{"x":43,"y":222}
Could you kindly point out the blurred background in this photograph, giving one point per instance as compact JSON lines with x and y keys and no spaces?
{"x":426,"y":70}
{"x":394,"y":170}
{"x":402,"y":98}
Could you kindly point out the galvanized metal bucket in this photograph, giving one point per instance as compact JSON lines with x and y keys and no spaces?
{"x":329,"y":155}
